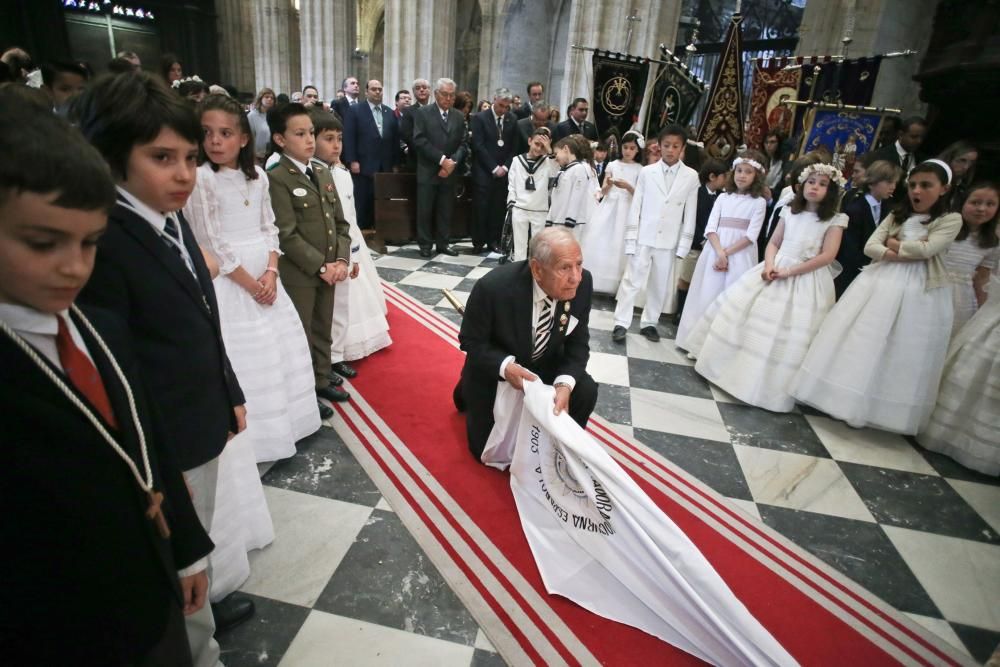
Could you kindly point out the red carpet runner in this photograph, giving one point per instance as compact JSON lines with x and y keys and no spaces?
{"x":405,"y":431}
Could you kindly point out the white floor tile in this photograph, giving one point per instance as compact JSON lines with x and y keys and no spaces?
{"x":462,"y":259}
{"x":941,"y":629}
{"x":483,"y":642}
{"x":405,"y":263}
{"x":673,"y":413}
{"x":433,"y":280}
{"x":723,"y":396}
{"x":868,"y":446}
{"x":327,"y":639}
{"x":626,"y":432}
{"x":962,"y":577}
{"x":602,"y":319}
{"x":745,"y":506}
{"x":477,"y":273}
{"x":312,"y":534}
{"x":608,"y":368}
{"x":985,"y":499}
{"x":383,"y":504}
{"x":463,"y":298}
{"x":665,"y":350}
{"x":800,"y":482}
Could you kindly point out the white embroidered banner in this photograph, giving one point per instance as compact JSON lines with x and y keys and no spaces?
{"x":600,"y":541}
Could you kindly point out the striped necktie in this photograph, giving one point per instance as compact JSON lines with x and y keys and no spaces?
{"x":543,"y":330}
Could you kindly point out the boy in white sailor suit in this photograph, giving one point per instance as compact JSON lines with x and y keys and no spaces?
{"x":528,"y":191}
{"x":660,"y":226}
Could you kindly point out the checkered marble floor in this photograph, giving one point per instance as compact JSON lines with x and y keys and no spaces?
{"x":344,"y":583}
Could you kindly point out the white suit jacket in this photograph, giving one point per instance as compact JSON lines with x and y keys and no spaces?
{"x":661,"y":219}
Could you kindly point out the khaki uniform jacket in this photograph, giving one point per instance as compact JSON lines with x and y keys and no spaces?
{"x":312,"y":229}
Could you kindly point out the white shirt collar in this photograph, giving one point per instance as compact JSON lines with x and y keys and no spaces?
{"x":538,"y":293}
{"x":374,"y":107}
{"x":300,"y":166}
{"x":156,"y":218}
{"x":24,"y":319}
{"x":441,"y":111}
{"x":670,"y":169}
{"x":901,"y":151}
{"x":872,"y":202}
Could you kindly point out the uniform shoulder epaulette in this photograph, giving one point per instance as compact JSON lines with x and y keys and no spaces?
{"x":273,"y":166}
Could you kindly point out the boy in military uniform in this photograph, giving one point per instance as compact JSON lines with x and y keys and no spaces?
{"x":313,"y":235}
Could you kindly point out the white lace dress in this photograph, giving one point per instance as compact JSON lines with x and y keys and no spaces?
{"x":232,"y":218}
{"x":734,"y":216}
{"x":878,"y":356}
{"x":604,"y":244}
{"x":965,"y":423}
{"x":962,"y":260}
{"x":753,"y":337}
{"x":367,"y":329}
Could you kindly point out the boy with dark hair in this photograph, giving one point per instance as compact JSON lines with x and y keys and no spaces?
{"x":151,"y":272}
{"x":712,"y":175}
{"x":63,"y":80}
{"x":660,"y":226}
{"x":97,"y":519}
{"x":313,"y":235}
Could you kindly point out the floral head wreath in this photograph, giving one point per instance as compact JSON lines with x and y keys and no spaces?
{"x":191,"y":79}
{"x":745,"y":160}
{"x":639,"y":139}
{"x":827,"y":170}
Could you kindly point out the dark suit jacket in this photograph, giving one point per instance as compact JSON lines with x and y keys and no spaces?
{"x":568,"y":127}
{"x":706,"y":201}
{"x":486,"y":154}
{"x":362,"y":142}
{"x":860,"y":226}
{"x":889,"y":154}
{"x":174,"y":321}
{"x":406,"y":135}
{"x":523,"y":111}
{"x":497,"y":323}
{"x":84,"y":577}
{"x":432,"y":140}
{"x":343,"y":104}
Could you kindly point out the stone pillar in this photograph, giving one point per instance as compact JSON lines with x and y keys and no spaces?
{"x":235,"y":28}
{"x":275,"y":45}
{"x":494,"y":16}
{"x":419,"y":41}
{"x":880,"y":26}
{"x":602,"y":24}
{"x":328,"y":37}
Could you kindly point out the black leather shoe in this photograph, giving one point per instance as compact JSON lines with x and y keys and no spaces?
{"x":325,"y":411}
{"x":477,"y":249}
{"x":231,"y":611}
{"x":494,"y":248}
{"x":451,"y":252}
{"x":341,"y":368}
{"x":426,"y":253}
{"x":618,"y":334}
{"x":334,"y":379}
{"x":333,"y":394}
{"x":650,"y":333}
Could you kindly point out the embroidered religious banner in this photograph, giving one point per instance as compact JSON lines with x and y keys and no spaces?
{"x":721,"y":128}
{"x":847,"y":134}
{"x":619,"y":86}
{"x":676,"y":93}
{"x":599,"y":540}
{"x":773,"y":84}
{"x":846,"y":82}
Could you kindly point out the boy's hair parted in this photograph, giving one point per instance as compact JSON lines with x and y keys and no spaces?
{"x":987,"y":234}
{"x":881,"y":171}
{"x":673,"y":130}
{"x":224,"y":103}
{"x":711,"y":167}
{"x":119,"y":111}
{"x":325,"y":120}
{"x":757,"y":187}
{"x":43,"y":154}
{"x":277,"y":120}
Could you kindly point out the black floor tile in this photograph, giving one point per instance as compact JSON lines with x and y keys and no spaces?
{"x":444,"y":268}
{"x":771,"y":430}
{"x":981,"y":643}
{"x":481,"y":658}
{"x":602,"y":302}
{"x":671,"y":378}
{"x":385,"y":578}
{"x":324,"y":466}
{"x":600,"y":341}
{"x":449,"y":313}
{"x":428,"y":296}
{"x":714,"y":463}
{"x":614,"y":403}
{"x":918,"y":502}
{"x":949,"y":467}
{"x":392,"y":275}
{"x":263,"y":640}
{"x":465,"y":286}
{"x":858,"y":549}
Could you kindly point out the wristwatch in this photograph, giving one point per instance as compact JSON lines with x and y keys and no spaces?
{"x":322,"y":269}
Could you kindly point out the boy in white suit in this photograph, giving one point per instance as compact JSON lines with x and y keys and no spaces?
{"x":660,"y":226}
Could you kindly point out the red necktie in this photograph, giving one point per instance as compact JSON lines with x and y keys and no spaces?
{"x":83,"y":374}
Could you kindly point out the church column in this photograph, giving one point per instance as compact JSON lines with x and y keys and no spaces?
{"x":235,"y":25}
{"x":602,"y":24}
{"x":880,"y":26}
{"x":419,"y":41}
{"x":494,"y":16}
{"x":275,"y":47}
{"x":328,"y":40}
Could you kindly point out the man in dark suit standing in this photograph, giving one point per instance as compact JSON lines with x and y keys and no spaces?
{"x":535,"y":92}
{"x":493,"y":135}
{"x":577,"y":122}
{"x":371,"y":144}
{"x":440,"y":142}
{"x":524,"y":321}
{"x":352,"y":96}
{"x":904,"y":153}
{"x":526,"y":126}
{"x":421,"y":97}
